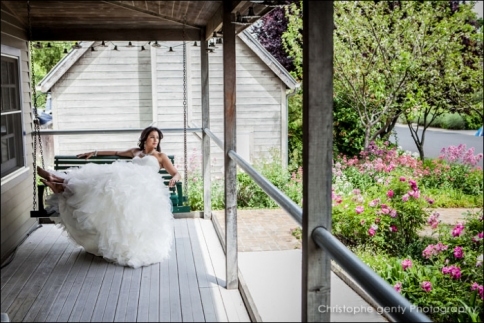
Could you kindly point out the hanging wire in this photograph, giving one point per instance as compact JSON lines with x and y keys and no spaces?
{"x":36,"y":133}
{"x":185,"y":120}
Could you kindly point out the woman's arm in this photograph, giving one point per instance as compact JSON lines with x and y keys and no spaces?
{"x":125,"y":153}
{"x":166,"y":164}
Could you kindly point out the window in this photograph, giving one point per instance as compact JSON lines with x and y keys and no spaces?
{"x":12,"y":148}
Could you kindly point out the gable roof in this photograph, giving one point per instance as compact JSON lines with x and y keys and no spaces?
{"x":70,"y":59}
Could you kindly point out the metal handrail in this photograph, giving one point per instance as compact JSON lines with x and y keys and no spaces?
{"x":108,"y":131}
{"x":398,"y":307}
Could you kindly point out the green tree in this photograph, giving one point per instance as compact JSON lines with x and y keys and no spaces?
{"x":449,"y":75}
{"x":400,"y":57}
{"x":44,"y":58}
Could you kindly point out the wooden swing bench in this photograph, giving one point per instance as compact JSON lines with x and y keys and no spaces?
{"x":63,"y":162}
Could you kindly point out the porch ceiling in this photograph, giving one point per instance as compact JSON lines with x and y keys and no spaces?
{"x":124,"y":20}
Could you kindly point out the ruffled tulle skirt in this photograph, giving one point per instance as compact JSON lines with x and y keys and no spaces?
{"x":120,"y":211}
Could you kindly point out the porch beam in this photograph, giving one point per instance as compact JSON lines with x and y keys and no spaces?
{"x":207,"y":173}
{"x":317,"y":156}
{"x":92,"y":34}
{"x":231,"y":262}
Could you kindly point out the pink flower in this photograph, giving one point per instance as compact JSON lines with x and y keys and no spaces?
{"x":359,"y":209}
{"x":406,"y":263}
{"x":429,"y":200}
{"x":393,"y":228}
{"x":377,"y":220}
{"x":390,"y":194}
{"x":398,"y":287}
{"x":374,"y":203}
{"x":402,"y":179}
{"x":413,"y":184}
{"x":429,"y":251}
{"x":458,"y":252}
{"x":480,"y":235}
{"x":426,"y":286}
{"x":457,"y":230}
{"x":393,"y":213}
{"x":474,"y":286}
{"x":433,"y":220}
{"x":453,"y":271}
{"x":371,"y":231}
{"x":405,"y":198}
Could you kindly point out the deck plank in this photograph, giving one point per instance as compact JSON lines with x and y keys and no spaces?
{"x":100,"y":270}
{"x":132,"y":308}
{"x":174,"y":298}
{"x":165,"y":289}
{"x":233,"y":303}
{"x":65,"y":283}
{"x":75,"y":290}
{"x":102,"y":299}
{"x":23,"y":254}
{"x":45,"y":299}
{"x":154,"y":302}
{"x":61,"y":298}
{"x":15,"y":284}
{"x":113,"y":296}
{"x":37,"y":280}
{"x":191,"y":302}
{"x":122,"y":304}
{"x":144,"y":295}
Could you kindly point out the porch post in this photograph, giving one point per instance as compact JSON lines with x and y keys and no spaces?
{"x":317,"y":156}
{"x":207,"y":179}
{"x":230,"y":166}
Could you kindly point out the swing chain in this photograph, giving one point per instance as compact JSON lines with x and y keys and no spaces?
{"x":36,"y":133}
{"x":185,"y":119}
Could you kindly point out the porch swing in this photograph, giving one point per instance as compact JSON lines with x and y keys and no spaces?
{"x":178,"y":198}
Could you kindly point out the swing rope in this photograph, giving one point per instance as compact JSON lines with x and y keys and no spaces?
{"x":185,"y":119}
{"x":36,"y":138}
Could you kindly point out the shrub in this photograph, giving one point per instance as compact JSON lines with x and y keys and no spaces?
{"x":453,"y":121}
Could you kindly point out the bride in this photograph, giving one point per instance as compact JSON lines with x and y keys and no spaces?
{"x":120,"y":211}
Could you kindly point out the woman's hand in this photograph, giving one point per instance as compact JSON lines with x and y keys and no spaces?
{"x":87,"y":155}
{"x":174,"y":179}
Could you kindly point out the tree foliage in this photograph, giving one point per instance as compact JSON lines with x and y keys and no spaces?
{"x":269,"y":33}
{"x":44,"y":59}
{"x":391,"y":58}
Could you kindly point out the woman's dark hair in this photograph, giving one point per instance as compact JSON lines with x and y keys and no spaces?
{"x":144,"y":136}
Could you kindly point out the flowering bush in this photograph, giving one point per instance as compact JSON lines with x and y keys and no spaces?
{"x":446,"y":277}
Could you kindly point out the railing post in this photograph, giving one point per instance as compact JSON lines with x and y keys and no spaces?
{"x":207,"y":173}
{"x":317,"y":156}
{"x":230,"y":166}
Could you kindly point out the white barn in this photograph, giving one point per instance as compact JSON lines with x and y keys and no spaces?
{"x":103,"y":88}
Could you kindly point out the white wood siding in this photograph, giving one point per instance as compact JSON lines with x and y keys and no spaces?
{"x":17,"y":191}
{"x":104,"y":89}
{"x":259,"y":105}
{"x":113,"y":89}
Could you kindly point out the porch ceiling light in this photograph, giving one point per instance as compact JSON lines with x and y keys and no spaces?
{"x":142,"y":48}
{"x":171,"y":49}
{"x":76,"y":46}
{"x":103,"y":44}
{"x":156,"y":44}
{"x":250,"y":14}
{"x":130,"y":45}
{"x":115,"y":47}
{"x":37,"y":45}
{"x":240,"y":21}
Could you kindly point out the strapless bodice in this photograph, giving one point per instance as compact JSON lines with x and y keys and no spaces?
{"x":147,"y":160}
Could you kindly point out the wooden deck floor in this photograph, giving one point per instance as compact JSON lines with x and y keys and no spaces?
{"x":53,"y":280}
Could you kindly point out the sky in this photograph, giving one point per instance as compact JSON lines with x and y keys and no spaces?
{"x":478,"y":8}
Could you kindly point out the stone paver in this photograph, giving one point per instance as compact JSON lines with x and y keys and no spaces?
{"x":270,"y":229}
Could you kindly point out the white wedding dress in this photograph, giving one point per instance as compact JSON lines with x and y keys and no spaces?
{"x":120,"y":211}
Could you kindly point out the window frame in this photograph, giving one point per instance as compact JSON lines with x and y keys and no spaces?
{"x":17,"y":170}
